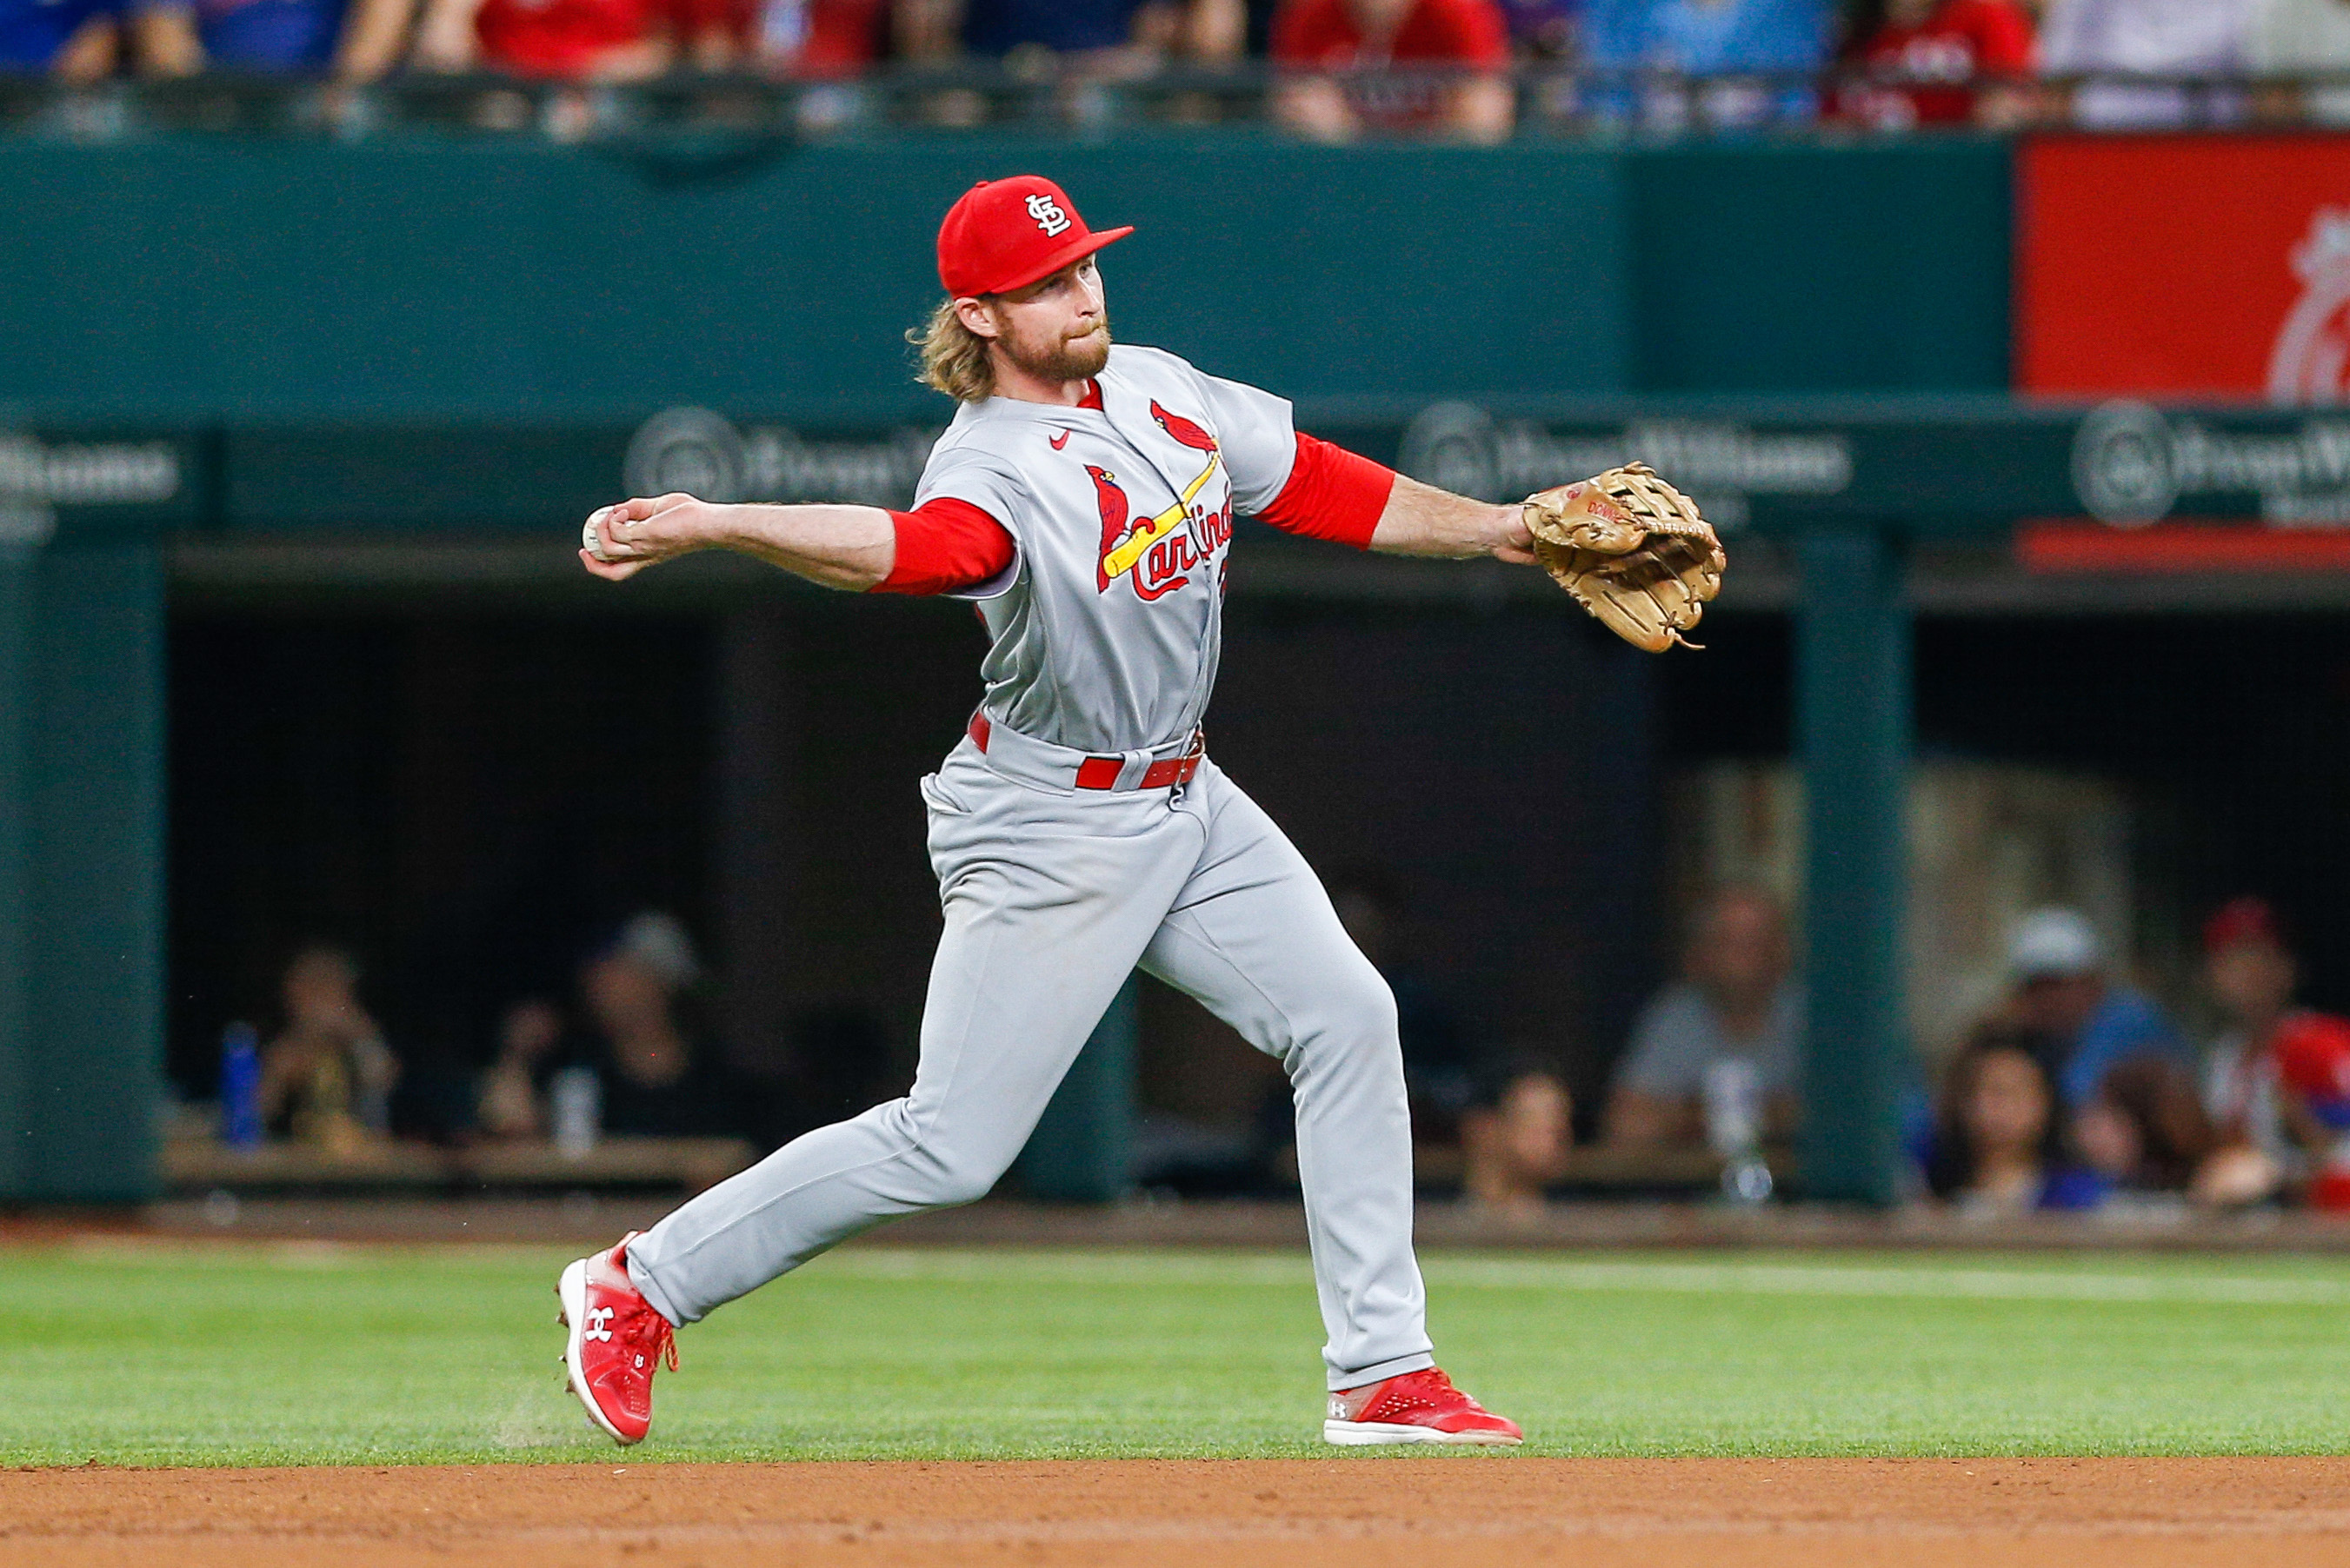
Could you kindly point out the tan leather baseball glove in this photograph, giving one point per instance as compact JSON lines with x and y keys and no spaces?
{"x":1632,"y":550}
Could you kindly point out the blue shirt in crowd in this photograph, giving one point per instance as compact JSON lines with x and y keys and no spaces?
{"x":2070,"y":1189}
{"x":2126,"y":1024}
{"x":33,"y":33}
{"x":1706,"y":37}
{"x":269,"y":34}
{"x":998,"y":27}
{"x":1546,"y":26}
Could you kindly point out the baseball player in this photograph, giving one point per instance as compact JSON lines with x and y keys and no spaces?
{"x":1084,"y":497}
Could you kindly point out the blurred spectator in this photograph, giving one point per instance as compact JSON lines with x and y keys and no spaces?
{"x":2062,"y":990}
{"x":512,"y":1103}
{"x":1411,"y":36}
{"x":2144,"y":1130}
{"x":1544,"y":29}
{"x":1997,"y":1144}
{"x":1079,"y":43}
{"x":1736,"y":1004}
{"x":563,"y":40}
{"x":719,"y":36}
{"x":1722,"y":39}
{"x":76,"y":39}
{"x":2252,"y":974}
{"x":2270,"y":1126}
{"x":2312,"y":1062}
{"x":354,"y":42}
{"x":2145,"y":37}
{"x":661,"y":1075}
{"x":815,"y":40}
{"x":812,"y":40}
{"x":1515,"y":1139}
{"x":84,"y":40}
{"x":2303,"y":39}
{"x":1981,"y":49}
{"x":327,"y":1077}
{"x":1099,"y":37}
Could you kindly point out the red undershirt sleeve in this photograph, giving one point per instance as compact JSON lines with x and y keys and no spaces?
{"x":945,"y":545}
{"x":1331,"y":495}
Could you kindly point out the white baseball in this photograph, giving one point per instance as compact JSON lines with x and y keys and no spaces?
{"x":593,"y":539}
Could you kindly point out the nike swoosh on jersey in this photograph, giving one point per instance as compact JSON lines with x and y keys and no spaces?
{"x":1059,"y":440}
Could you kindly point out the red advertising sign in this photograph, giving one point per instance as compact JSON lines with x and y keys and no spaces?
{"x":2208,"y":268}
{"x":2185,"y":266}
{"x":2177,"y":549}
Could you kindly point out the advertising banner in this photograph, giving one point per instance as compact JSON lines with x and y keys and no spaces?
{"x":2215,"y":268}
{"x":1934,"y":469}
{"x":95,"y":479}
{"x":2211,"y":267}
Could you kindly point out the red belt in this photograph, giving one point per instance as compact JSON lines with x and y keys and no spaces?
{"x":1102,"y":773}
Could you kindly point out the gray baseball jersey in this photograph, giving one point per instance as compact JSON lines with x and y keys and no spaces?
{"x":1108,"y":624}
{"x":1060,"y":873}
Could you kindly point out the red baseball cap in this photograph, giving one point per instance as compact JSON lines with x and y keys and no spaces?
{"x":1006,"y":234}
{"x":2245,"y":920}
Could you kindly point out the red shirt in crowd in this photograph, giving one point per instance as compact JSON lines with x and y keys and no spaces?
{"x":1323,"y":34}
{"x":1960,"y":41}
{"x":816,"y":39}
{"x":565,"y":38}
{"x":844,"y":37}
{"x":560,"y":38}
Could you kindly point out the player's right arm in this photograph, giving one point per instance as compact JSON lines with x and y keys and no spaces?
{"x":851,"y":547}
{"x":945,"y":545}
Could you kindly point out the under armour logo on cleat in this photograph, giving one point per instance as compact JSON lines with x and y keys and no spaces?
{"x":599,"y":1324}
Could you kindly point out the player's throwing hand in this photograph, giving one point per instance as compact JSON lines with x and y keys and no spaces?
{"x":619,"y":541}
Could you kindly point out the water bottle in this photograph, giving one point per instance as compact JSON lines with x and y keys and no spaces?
{"x":576,"y":1103}
{"x":240,"y":1088}
{"x":1732,"y":1096}
{"x":1731,"y":1093}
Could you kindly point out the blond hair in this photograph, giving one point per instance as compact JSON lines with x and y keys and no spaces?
{"x":954,"y":358}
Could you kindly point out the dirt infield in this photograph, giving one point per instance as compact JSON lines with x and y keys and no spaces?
{"x":1359,"y":1512}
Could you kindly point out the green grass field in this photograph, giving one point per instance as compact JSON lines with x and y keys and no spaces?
{"x":142,"y":1353}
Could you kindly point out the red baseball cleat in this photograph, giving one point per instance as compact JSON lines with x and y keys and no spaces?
{"x":617,"y":1343}
{"x":1415,"y":1407}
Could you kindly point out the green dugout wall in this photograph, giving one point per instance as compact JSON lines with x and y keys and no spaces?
{"x":173,"y":298}
{"x":81,"y":864}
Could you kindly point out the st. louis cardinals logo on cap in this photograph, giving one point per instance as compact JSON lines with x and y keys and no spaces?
{"x":1049,"y":214}
{"x":1006,"y":234}
{"x":1158,"y":554}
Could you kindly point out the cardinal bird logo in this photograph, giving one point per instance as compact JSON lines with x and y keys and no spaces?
{"x":1158,"y":554}
{"x":1182,"y":429}
{"x":1111,"y":501}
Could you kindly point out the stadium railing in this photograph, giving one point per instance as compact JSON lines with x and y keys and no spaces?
{"x":1552,"y":102}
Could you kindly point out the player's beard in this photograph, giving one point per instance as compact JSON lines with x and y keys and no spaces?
{"x":1063,"y":359}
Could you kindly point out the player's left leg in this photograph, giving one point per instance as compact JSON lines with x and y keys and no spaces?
{"x":1048,"y":901}
{"x":1254,"y":937}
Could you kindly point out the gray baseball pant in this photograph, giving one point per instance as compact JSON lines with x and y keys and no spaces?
{"x":1052,"y":896}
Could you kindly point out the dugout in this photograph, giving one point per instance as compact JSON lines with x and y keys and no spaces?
{"x":438,"y":774}
{"x":1358,"y":701}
